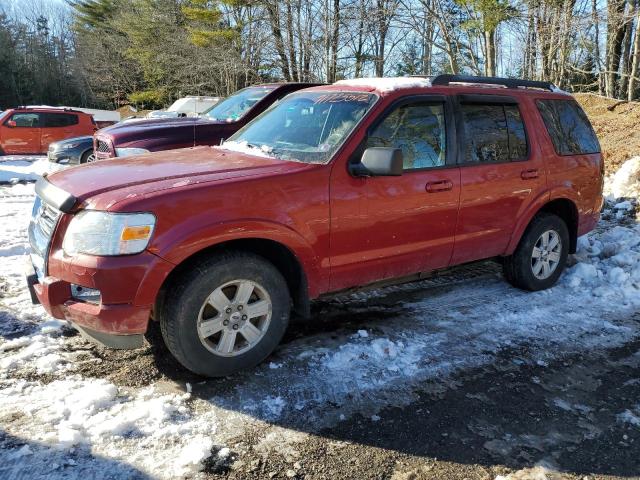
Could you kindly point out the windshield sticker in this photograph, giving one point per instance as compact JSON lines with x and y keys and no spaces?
{"x":343,"y":97}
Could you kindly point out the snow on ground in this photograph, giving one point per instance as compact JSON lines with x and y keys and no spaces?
{"x":14,"y":168}
{"x":154,"y":431}
{"x":59,"y":424}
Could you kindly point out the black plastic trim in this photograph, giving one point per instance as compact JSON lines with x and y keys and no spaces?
{"x":487,"y":99}
{"x":55,"y":196}
{"x":446,"y":79}
{"x":109,"y":340}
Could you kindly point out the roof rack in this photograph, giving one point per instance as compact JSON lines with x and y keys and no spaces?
{"x":446,"y":79}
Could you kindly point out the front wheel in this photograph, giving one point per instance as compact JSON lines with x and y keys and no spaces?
{"x":226,"y":314}
{"x":541,"y":255}
{"x":87,"y":157}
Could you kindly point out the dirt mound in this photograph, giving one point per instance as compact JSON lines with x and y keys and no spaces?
{"x":617,"y":125}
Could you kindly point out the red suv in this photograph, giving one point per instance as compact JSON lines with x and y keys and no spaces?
{"x":30,"y":130}
{"x":332,"y":188}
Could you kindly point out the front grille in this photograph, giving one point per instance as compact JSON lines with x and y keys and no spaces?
{"x":44,"y":219}
{"x":103,"y":146}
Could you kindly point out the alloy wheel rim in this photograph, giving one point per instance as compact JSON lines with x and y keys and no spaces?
{"x":234,"y":318}
{"x":546,"y":254}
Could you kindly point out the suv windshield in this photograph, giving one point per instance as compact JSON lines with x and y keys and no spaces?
{"x":234,"y":107}
{"x":304,"y":126}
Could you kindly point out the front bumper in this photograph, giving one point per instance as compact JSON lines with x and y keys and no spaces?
{"x":58,"y":156}
{"x":114,"y":325}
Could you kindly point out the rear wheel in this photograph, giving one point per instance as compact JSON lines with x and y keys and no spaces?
{"x":541,"y":255}
{"x":226,"y":314}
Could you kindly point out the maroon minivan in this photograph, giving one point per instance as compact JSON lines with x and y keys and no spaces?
{"x":135,"y":136}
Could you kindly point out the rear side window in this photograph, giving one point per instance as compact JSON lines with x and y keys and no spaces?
{"x":493,"y":133}
{"x":60,"y":119}
{"x":568,"y":127}
{"x":418,"y":130}
{"x":26,"y":119}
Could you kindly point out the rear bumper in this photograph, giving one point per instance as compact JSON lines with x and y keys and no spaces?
{"x":588,"y":223}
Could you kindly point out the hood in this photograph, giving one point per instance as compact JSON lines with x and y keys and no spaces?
{"x":161,"y":170}
{"x":84,"y":139}
{"x":149,"y":123}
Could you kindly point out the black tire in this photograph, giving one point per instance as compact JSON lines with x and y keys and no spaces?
{"x":84,"y":158}
{"x":518,"y":268}
{"x":187,"y":294}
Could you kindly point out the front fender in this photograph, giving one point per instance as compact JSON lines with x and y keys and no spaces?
{"x":179,"y":244}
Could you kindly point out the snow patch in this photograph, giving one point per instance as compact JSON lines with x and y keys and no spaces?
{"x":625,"y":182}
{"x":630,"y":417}
{"x":385,"y":85}
{"x":244,"y":147}
{"x":154,"y":432}
{"x":14,"y":171}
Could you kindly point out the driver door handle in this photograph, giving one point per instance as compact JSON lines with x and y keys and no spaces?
{"x":529,"y":174}
{"x":440,"y":186}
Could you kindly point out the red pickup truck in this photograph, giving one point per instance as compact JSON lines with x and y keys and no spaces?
{"x":332,"y":188}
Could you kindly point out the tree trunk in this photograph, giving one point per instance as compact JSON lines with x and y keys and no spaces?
{"x":635,"y":60}
{"x":292,"y":46}
{"x":359,"y":53}
{"x":596,"y":40}
{"x":615,"y":35}
{"x":335,"y":37}
{"x":490,"y":59}
{"x":276,"y":31}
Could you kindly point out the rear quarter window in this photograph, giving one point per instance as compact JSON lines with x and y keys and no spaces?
{"x":493,"y":133}
{"x":60,"y":119}
{"x":568,"y":127}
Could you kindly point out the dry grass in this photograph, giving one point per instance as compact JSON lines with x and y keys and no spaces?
{"x":617,"y":125}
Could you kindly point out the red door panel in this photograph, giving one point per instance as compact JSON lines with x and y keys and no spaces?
{"x":59,"y":126}
{"x":496,"y":186}
{"x":388,"y":227}
{"x":24,"y":137}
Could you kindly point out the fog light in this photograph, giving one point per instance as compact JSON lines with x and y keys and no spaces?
{"x":85,"y":294}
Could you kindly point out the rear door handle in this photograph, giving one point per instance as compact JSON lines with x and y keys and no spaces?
{"x":529,"y":174}
{"x":441,"y":186}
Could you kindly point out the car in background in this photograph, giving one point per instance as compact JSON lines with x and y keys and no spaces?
{"x":219,"y":122}
{"x":190,"y":106}
{"x":72,"y":151}
{"x":30,"y":130}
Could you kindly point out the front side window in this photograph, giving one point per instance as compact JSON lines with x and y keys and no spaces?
{"x":304,"y":126}
{"x":237,"y":105}
{"x":418,"y":130}
{"x":26,"y":120}
{"x":60,"y":119}
{"x":568,"y":127}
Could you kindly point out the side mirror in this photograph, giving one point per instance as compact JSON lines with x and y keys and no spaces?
{"x":11,"y":124}
{"x":378,"y":162}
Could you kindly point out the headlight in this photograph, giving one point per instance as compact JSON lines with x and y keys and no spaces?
{"x":102,"y":233}
{"x":68,"y":146}
{"x":127,"y":152}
